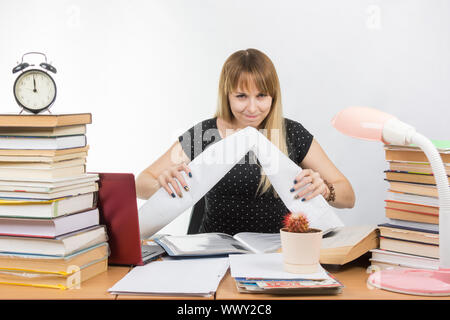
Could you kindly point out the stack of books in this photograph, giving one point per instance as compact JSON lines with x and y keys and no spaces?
{"x":50,"y":232}
{"x":410,"y":239}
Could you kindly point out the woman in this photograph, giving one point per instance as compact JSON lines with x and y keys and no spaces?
{"x":243,"y":200}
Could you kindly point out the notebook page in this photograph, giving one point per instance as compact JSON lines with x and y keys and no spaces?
{"x":174,"y":277}
{"x":260,"y":242}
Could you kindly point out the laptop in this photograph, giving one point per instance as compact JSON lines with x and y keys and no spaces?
{"x":117,"y":205}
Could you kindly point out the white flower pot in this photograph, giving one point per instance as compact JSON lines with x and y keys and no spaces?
{"x":301,"y":251}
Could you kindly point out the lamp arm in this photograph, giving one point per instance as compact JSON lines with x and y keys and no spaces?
{"x":440,"y":176}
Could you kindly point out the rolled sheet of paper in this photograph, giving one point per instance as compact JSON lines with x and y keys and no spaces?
{"x":210,"y":166}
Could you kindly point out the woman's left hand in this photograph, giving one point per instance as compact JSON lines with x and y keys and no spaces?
{"x":317,"y":185}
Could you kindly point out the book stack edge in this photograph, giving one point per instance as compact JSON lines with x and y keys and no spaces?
{"x":410,"y":238}
{"x":50,"y":232}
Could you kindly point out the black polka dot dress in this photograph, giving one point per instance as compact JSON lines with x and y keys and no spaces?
{"x":233,"y":205}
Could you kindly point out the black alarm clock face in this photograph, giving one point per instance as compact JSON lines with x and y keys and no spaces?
{"x":35,"y":90}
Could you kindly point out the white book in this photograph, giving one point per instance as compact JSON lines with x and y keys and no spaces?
{"x":42,"y":189}
{"x":186,"y":277}
{"x":403,"y":259}
{"x":49,"y":184}
{"x":413,"y":198}
{"x":55,"y":194}
{"x":40,"y":143}
{"x":49,"y":228}
{"x":47,"y":208}
{"x":59,"y":247}
{"x":41,"y":174}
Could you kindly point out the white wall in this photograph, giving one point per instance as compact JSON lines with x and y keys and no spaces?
{"x":148,"y":70}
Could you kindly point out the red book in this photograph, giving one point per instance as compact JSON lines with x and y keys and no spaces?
{"x":117,"y":204}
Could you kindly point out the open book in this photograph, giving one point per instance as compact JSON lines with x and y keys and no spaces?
{"x":348,"y":243}
{"x":209,"y":244}
{"x":339,"y":247}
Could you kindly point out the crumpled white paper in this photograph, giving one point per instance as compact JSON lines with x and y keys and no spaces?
{"x":210,"y":166}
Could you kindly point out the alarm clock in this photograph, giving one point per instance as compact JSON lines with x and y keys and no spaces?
{"x":34,"y":88}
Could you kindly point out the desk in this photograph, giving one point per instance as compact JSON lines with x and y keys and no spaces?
{"x":92,"y":289}
{"x":353,"y":276}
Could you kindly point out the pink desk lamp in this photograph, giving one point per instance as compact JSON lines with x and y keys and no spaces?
{"x":371,"y":124}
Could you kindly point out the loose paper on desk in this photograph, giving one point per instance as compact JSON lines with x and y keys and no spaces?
{"x":191,"y":277}
{"x":210,"y":166}
{"x":267,"y":266}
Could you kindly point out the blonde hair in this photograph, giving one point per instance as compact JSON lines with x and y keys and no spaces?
{"x":240,"y":70}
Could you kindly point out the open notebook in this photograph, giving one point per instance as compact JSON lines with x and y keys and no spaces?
{"x":206,"y":244}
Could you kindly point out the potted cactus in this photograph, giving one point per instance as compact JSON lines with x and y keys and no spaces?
{"x":300,"y":244}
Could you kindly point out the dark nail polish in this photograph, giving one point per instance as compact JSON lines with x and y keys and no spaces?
{"x":292,"y":190}
{"x":303,"y":199}
{"x":296,"y":197}
{"x":186,"y":188}
{"x":173,"y":195}
{"x":190,"y":175}
{"x":295,"y":181}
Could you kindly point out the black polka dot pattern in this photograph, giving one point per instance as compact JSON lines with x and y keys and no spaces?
{"x":232,"y":205}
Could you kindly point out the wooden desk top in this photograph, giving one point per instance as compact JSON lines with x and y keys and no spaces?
{"x":92,"y":289}
{"x":353,"y":277}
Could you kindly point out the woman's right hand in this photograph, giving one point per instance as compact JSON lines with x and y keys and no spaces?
{"x":170,"y":176}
